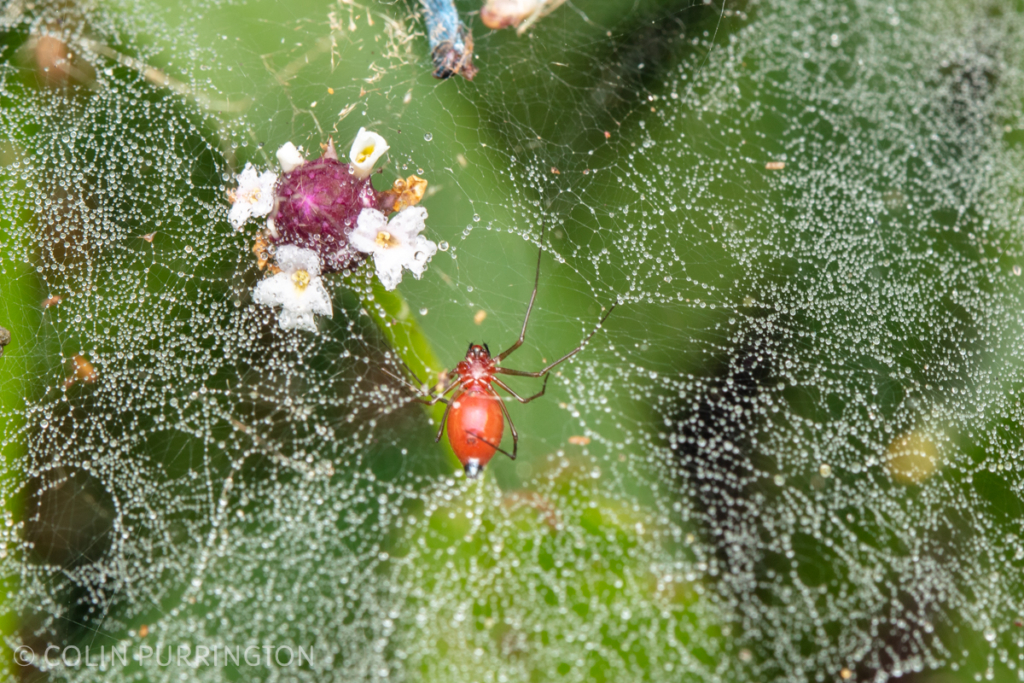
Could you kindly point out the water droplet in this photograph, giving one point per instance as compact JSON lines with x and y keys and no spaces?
{"x":442,"y":245}
{"x":428,"y":137}
{"x":476,"y":218}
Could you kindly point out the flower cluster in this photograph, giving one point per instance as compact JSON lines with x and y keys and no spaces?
{"x":325,"y":216}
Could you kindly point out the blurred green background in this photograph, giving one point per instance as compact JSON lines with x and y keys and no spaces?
{"x":791,"y":454}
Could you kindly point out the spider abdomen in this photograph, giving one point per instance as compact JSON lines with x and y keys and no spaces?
{"x":475,"y":426}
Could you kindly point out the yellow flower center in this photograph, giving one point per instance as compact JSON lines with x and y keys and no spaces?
{"x":365,"y":154}
{"x":386,"y":240}
{"x":300,"y":278}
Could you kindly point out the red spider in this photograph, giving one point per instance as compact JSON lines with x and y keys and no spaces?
{"x":476,"y":414}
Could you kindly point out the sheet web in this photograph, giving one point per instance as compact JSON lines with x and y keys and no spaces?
{"x":792,"y":452}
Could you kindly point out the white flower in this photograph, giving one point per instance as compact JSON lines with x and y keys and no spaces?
{"x":298,"y":289}
{"x":253,"y":197}
{"x":290,"y":158}
{"x":395,"y":245}
{"x":367,"y":148}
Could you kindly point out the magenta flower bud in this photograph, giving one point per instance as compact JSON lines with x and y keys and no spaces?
{"x":318,"y":204}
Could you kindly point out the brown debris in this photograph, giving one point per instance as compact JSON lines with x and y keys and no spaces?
{"x":5,"y":339}
{"x":404,"y":193}
{"x":262,"y":250}
{"x":499,"y":14}
{"x":82,"y":371}
{"x":328,"y":151}
{"x":56,"y":65}
{"x":522,"y":14}
{"x":52,"y":60}
{"x":449,"y":61}
{"x":52,"y":301}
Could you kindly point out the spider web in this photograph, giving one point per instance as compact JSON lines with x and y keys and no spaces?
{"x":791,"y":453}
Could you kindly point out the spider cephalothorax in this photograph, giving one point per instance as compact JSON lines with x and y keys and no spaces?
{"x":476,"y":372}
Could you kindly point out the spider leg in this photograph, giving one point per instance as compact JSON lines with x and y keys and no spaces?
{"x":533,"y":297}
{"x":494,"y":445}
{"x":441,"y":396}
{"x":444,"y":418}
{"x":508,"y":416}
{"x":517,"y":396}
{"x":448,"y":377}
{"x":511,"y":428}
{"x":541,"y":373}
{"x":425,"y":397}
{"x":403,"y":380}
{"x":409,"y":370}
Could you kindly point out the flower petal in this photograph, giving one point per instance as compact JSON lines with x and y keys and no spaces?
{"x":290,"y":319}
{"x":274,"y":291}
{"x":239,"y":214}
{"x":291,"y":258}
{"x":316,"y":299}
{"x":289,"y":157}
{"x":368,"y":225}
{"x":366,"y":149}
{"x":408,"y":222}
{"x":248,"y":177}
{"x":254,"y":195}
{"x":264,"y":200}
{"x":389,"y":268}
{"x":423,"y":250}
